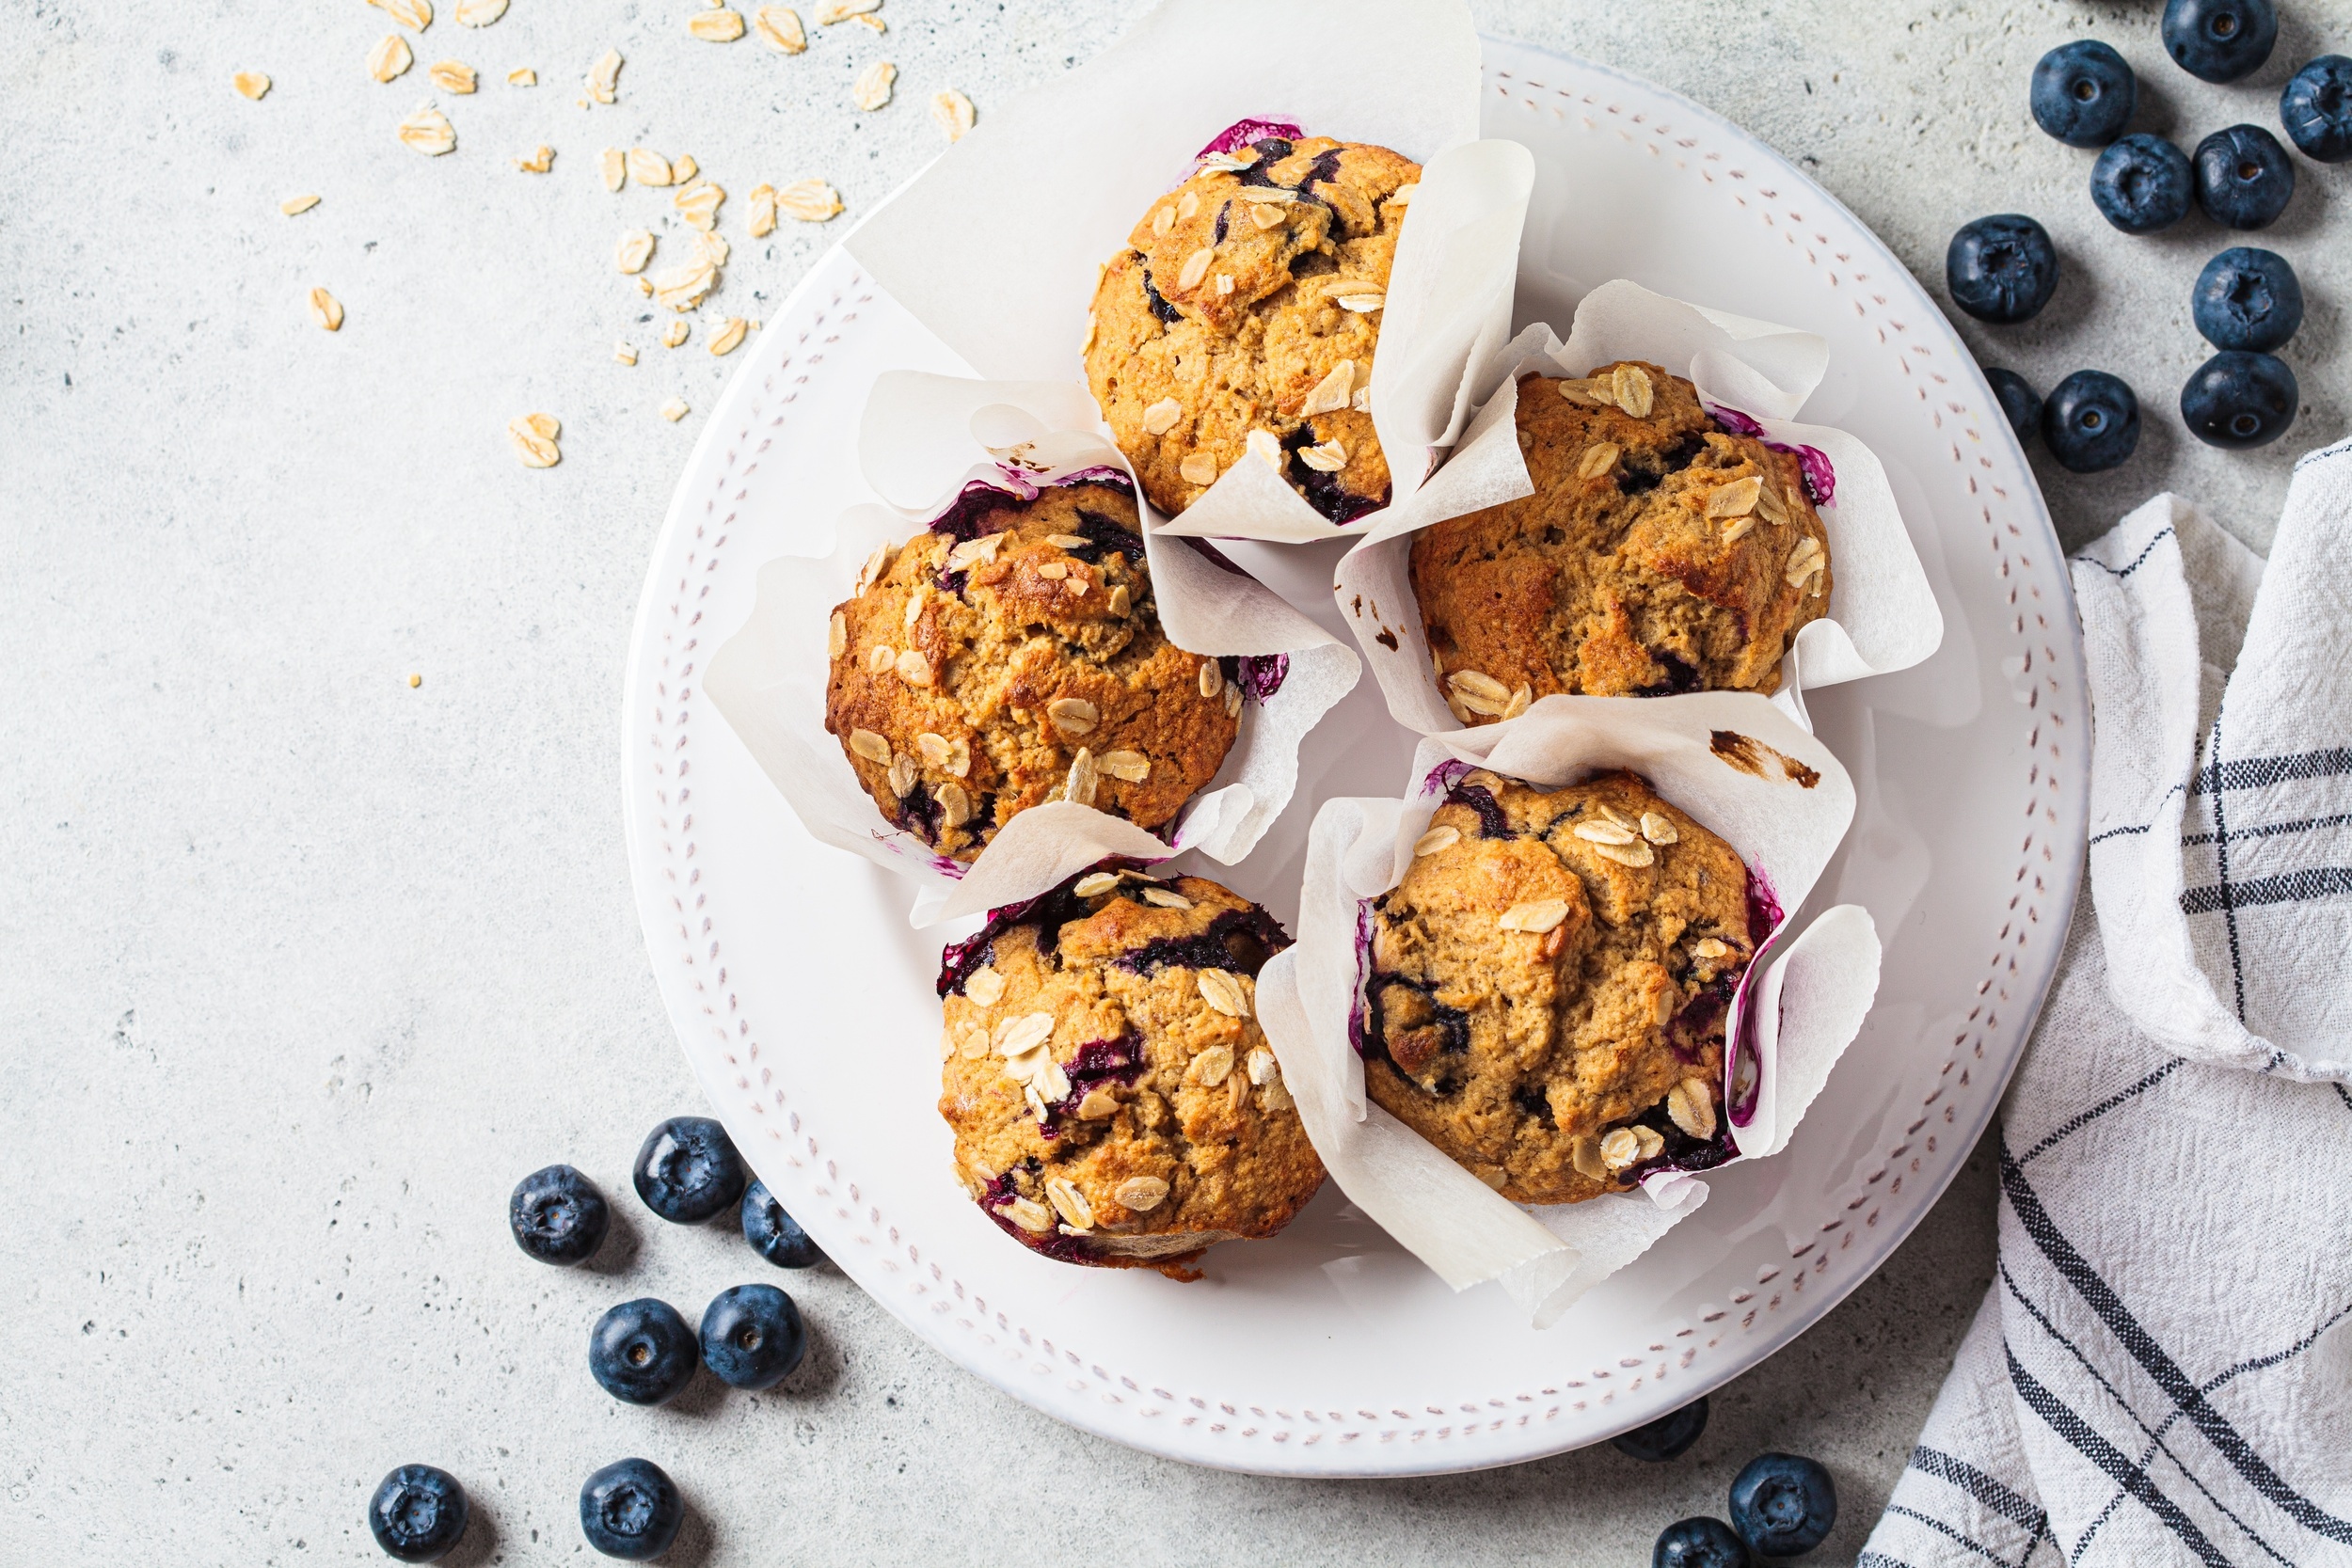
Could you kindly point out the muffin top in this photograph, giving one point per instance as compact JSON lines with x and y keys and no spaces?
{"x":1660,"y":552}
{"x":1242,"y":318}
{"x":1010,"y":655}
{"x":1113,"y":1099}
{"x":1549,"y":986}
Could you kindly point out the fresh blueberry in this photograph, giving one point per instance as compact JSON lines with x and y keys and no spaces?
{"x":2020,"y":403}
{"x":753,"y":1336}
{"x":632,"y":1509}
{"x":2243,"y":176}
{"x":2001,"y":268}
{"x":558,"y":1217}
{"x":2219,"y":40}
{"x":774,"y":1234}
{"x":687,"y":1171}
{"x":2083,"y":93}
{"x":1667,"y":1437}
{"x":2315,"y":106}
{"x":2142,"y":183}
{"x":1700,"y":1543}
{"x":641,"y":1352}
{"x":1783,"y":1505}
{"x":418,"y":1514}
{"x":2090,"y":422}
{"x":2247,"y":299}
{"x":2240,"y":400}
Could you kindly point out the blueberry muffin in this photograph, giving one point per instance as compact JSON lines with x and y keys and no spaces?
{"x":1660,"y":552}
{"x":1113,"y":1100}
{"x":1548,"y":986}
{"x":1241,"y":320}
{"x":1010,"y":655}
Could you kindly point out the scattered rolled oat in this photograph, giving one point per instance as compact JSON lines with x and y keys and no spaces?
{"x":533,"y":439}
{"x":673,"y":333}
{"x":875,"y":23}
{"x":699,"y":203}
{"x":779,"y":28}
{"x":294,"y":206}
{"x":1223,"y":992}
{"x":634,"y":251}
{"x":714,"y":247}
{"x":542,"y":158}
{"x":763,"y":215}
{"x":683,"y":168}
{"x":1437,"y":841}
{"x":625,"y":352}
{"x":1142,"y":1194}
{"x":730,"y":334}
{"x":808,"y":200}
{"x":871,"y":89}
{"x":675,"y":410}
{"x":415,"y":681}
{"x":648,"y":168}
{"x":250,"y":83}
{"x":429,"y":131}
{"x":604,"y":77}
{"x":719,"y":27}
{"x":1538,"y":916}
{"x":390,"y":57}
{"x":522,"y":76}
{"x":682,"y":288}
{"x":841,"y":10}
{"x":614,"y":165}
{"x":479,"y":13}
{"x":415,"y":15}
{"x":952,"y":113}
{"x":453,"y":76}
{"x":327,"y":311}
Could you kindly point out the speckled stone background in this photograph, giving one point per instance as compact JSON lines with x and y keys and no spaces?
{"x":304,"y":966}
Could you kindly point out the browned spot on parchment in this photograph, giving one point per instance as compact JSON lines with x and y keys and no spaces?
{"x":1750,"y":755}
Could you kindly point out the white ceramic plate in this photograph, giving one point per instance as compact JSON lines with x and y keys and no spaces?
{"x":805,"y":1004}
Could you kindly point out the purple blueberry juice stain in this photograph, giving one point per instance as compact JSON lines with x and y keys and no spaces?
{"x":1324,"y":491}
{"x":1765,"y":920}
{"x":1359,"y":1020}
{"x":1492,"y":823}
{"x":1098,"y":1062}
{"x":999,"y":1197}
{"x":965,"y":518}
{"x":1821,"y":475}
{"x":1443,"y":777}
{"x":1246,"y":132}
{"x":1238,"y":941}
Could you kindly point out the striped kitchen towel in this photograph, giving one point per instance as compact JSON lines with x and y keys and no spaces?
{"x":2162,"y":1371}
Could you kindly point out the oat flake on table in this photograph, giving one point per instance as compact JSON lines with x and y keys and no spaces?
{"x":719,"y":27}
{"x":429,"y":131}
{"x":415,"y":15}
{"x":542,"y":158}
{"x":452,"y":76}
{"x":389,"y":58}
{"x":327,"y":311}
{"x":604,"y":77}
{"x":294,"y":206}
{"x":808,"y":200}
{"x":253,"y":83}
{"x":779,"y":28}
{"x":872,"y":89}
{"x":952,"y":113}
{"x":479,"y":13}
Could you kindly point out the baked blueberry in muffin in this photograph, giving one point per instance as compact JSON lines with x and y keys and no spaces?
{"x":1662,"y":550}
{"x":1549,"y":987}
{"x":1241,"y":319}
{"x":1113,"y":1099}
{"x":1010,"y":654}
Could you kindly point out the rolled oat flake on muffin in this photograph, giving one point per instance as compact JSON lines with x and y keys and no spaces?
{"x":1242,"y":318}
{"x":1550,"y":983}
{"x":1113,"y":1100}
{"x":1661,"y":551}
{"x":1012,"y":654}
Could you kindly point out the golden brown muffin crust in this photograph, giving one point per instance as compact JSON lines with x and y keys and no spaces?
{"x":968,"y":680}
{"x":1551,"y":982}
{"x":1657,"y":553}
{"x":1113,"y":1099}
{"x":1247,"y":300}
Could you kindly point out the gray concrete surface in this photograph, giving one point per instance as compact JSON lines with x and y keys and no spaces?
{"x":304,"y":966}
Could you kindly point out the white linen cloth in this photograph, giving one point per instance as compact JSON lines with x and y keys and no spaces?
{"x":2162,"y":1371}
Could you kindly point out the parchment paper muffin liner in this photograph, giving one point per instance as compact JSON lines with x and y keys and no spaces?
{"x":1745,"y":770}
{"x":919,"y":442}
{"x":1753,"y":376}
{"x":996,"y":246}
